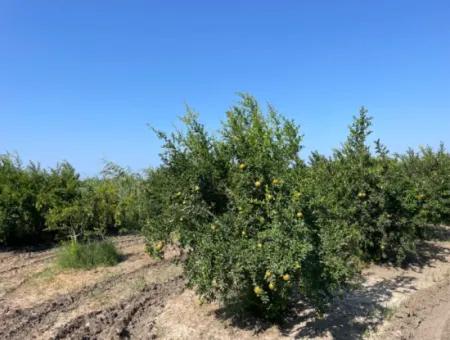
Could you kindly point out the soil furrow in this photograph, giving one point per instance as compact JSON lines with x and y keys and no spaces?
{"x":12,"y":322}
{"x":133,"y":319}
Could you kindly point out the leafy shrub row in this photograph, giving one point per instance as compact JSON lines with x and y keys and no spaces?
{"x":260,"y":225}
{"x":38,"y":205}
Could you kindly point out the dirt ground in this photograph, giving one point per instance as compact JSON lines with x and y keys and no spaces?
{"x":142,"y":298}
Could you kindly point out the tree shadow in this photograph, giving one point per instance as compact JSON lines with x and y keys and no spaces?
{"x":28,"y":248}
{"x":436,"y":233}
{"x":349,"y":316}
{"x":427,"y":254}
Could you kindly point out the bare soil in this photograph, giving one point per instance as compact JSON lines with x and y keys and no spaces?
{"x":39,"y":301}
{"x":142,"y":298}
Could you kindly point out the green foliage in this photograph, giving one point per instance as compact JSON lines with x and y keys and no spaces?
{"x":365,"y":195}
{"x":257,"y":223}
{"x":428,"y":177}
{"x":233,"y":202}
{"x":127,"y":198}
{"x":88,"y":255}
{"x":37,"y":205}
{"x":66,"y":209}
{"x":21,"y":218}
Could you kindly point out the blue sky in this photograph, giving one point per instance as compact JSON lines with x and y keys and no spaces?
{"x":80,"y":80}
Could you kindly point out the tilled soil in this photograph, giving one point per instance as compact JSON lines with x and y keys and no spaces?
{"x":117,"y":302}
{"x":133,"y":319}
{"x":142,"y":298}
{"x":36,"y":321}
{"x":17,"y":267}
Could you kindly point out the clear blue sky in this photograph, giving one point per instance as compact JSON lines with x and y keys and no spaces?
{"x":80,"y":80}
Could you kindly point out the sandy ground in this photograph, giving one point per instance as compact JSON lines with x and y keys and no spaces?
{"x":143,"y":298}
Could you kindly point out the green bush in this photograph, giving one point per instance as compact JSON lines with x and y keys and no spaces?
{"x":365,"y":195}
{"x":21,"y":218}
{"x":234,"y":203}
{"x":38,"y":205}
{"x":428,"y":177}
{"x":128,"y":200}
{"x":88,"y":255}
{"x":259,"y":224}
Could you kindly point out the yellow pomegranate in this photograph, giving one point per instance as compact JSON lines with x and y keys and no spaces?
{"x":286,"y":277}
{"x":272,"y":286}
{"x":159,"y":245}
{"x":242,"y":166}
{"x":300,"y":214}
{"x":258,"y":184}
{"x":258,"y":290}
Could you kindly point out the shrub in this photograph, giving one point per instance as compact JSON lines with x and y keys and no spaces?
{"x":128,"y":201}
{"x":100,"y":206}
{"x":367,"y":196}
{"x":335,"y":257}
{"x":78,"y":255}
{"x":38,"y":205}
{"x":233,"y":202}
{"x":428,"y":177}
{"x":21,"y":218}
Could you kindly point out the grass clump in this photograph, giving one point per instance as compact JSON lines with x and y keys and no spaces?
{"x":88,"y":255}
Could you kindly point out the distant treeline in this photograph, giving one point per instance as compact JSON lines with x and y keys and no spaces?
{"x":42,"y":206}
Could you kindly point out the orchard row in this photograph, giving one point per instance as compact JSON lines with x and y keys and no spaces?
{"x":256,"y":221}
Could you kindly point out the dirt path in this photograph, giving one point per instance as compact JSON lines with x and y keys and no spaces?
{"x":426,"y":315}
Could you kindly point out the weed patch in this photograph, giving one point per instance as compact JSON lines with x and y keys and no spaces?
{"x":88,"y":255}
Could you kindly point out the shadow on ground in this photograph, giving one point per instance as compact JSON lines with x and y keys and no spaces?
{"x":357,"y":312}
{"x":352,"y":315}
{"x":349,"y":317}
{"x":436,"y":233}
{"x":427,"y":254}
